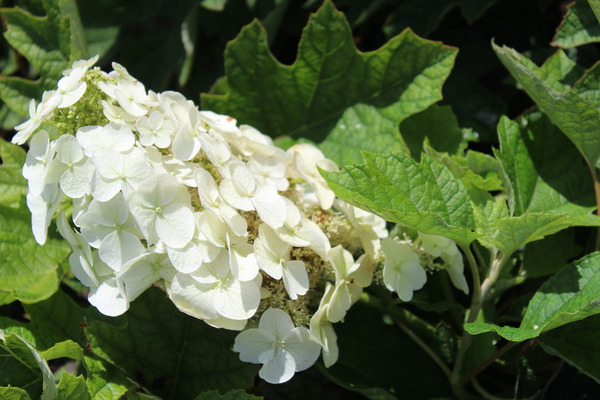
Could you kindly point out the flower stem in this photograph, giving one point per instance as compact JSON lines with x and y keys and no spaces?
{"x":495,"y":267}
{"x":474,"y":271}
{"x":480,"y":295}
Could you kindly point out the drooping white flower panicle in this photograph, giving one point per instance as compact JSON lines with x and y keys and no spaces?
{"x":229,"y":225}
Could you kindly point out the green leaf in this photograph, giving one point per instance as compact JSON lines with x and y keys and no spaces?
{"x":6,"y":298}
{"x":23,"y":366}
{"x":105,"y":381}
{"x":509,"y":234}
{"x":29,"y":272}
{"x":551,"y":254}
{"x":332,"y":91}
{"x":72,"y":387}
{"x":13,"y":187}
{"x":54,"y":320}
{"x":478,"y":172}
{"x":576,"y":117}
{"x":595,"y":6}
{"x":378,"y":360}
{"x":560,"y":71}
{"x":100,"y":40}
{"x":438,"y":126}
{"x":588,"y":87}
{"x":545,"y":171}
{"x":13,"y":393}
{"x":233,"y":395}
{"x":576,"y":343}
{"x":549,"y":187}
{"x":570,"y":295}
{"x":578,"y":27}
{"x":426,"y":196}
{"x":56,"y":326}
{"x":215,"y":5}
{"x":68,"y":349}
{"x":187,"y":355}
{"x":50,"y":44}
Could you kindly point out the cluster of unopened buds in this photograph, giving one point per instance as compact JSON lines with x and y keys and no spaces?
{"x":148,"y":190}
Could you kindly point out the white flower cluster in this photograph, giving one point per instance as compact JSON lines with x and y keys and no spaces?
{"x":229,"y":225}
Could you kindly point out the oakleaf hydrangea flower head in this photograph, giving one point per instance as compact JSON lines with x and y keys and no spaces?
{"x":150,"y":191}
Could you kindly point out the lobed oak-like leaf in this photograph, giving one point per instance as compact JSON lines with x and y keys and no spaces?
{"x":332,"y":92}
{"x":578,"y":27}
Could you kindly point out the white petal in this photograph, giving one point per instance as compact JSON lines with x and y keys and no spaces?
{"x":267,"y":260}
{"x":242,"y":261}
{"x":226,"y":323}
{"x":303,"y":346}
{"x":415,"y":274}
{"x":193,"y":298}
{"x":42,"y":209}
{"x":119,"y":247}
{"x":72,"y":96}
{"x":175,"y":225}
{"x":279,"y":367}
{"x":185,"y":144}
{"x":340,"y":303}
{"x":276,"y":321}
{"x":270,"y":206}
{"x":295,"y":278}
{"x":233,"y":197}
{"x":313,"y":234}
{"x":188,"y":258}
{"x":103,"y":189}
{"x":404,"y":289}
{"x":109,"y":298}
{"x":237,"y":300}
{"x":74,"y":182}
{"x":252,"y":343}
{"x":235,"y":221}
